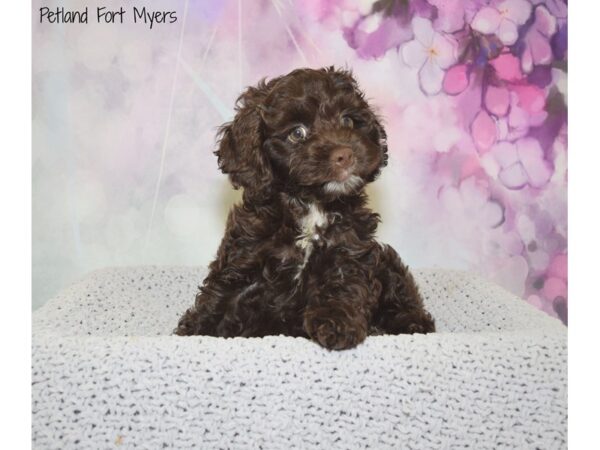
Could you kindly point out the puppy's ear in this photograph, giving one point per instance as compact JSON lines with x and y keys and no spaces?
{"x":343,"y":80}
{"x":240,"y":153}
{"x":379,"y":136}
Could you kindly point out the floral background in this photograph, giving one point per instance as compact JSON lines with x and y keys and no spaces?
{"x":474,"y":94}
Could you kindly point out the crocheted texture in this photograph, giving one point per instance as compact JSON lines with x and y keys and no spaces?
{"x":107,"y":372}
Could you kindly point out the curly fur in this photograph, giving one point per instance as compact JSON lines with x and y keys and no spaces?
{"x":299,"y":256}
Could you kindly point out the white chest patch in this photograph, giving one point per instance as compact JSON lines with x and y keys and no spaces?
{"x":314,"y":221}
{"x":310,"y":224}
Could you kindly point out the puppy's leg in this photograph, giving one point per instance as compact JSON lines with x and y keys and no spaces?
{"x":223,"y":310}
{"x":400,"y":309}
{"x":204,"y":317}
{"x":335,"y":326}
{"x":340,"y":302}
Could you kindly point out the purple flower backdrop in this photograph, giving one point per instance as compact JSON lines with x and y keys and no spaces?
{"x":502,"y":65}
{"x":473,"y":92}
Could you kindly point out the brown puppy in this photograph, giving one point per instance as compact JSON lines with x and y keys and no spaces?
{"x":298,"y":256}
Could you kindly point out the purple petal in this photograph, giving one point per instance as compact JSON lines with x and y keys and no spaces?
{"x":431,"y":77}
{"x":558,"y":8}
{"x":490,"y":165}
{"x":374,"y":44}
{"x":505,"y":153}
{"x":420,"y":8}
{"x":532,"y":158}
{"x":547,"y":132}
{"x":545,"y":23}
{"x":414,"y":54}
{"x":539,"y":46}
{"x":446,"y":48}
{"x":507,"y":32}
{"x":527,"y":60}
{"x":492,"y":214}
{"x":503,"y":129}
{"x":559,"y":43}
{"x":517,"y":11}
{"x":486,"y":21}
{"x":518,"y":118}
{"x":513,"y":177}
{"x":541,"y":76}
{"x":423,"y":31}
{"x":451,"y":15}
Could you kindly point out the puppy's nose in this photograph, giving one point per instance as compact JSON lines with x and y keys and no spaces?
{"x":342,"y":157}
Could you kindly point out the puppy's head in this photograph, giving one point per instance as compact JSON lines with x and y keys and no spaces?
{"x":308,"y":132}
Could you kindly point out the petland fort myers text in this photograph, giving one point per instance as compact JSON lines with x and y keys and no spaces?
{"x":102,"y":14}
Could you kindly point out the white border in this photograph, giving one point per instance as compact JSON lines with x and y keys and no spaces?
{"x":584,"y":223}
{"x":15,"y":232}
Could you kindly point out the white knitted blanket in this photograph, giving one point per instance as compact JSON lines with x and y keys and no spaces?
{"x":108,"y":374}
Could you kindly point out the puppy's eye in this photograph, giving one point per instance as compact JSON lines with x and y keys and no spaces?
{"x":347,"y":122}
{"x":298,"y":134}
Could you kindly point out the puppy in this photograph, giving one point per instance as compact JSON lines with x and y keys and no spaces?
{"x":299,"y":256}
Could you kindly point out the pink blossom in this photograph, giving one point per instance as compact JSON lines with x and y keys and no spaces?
{"x":554,"y":287}
{"x":502,"y":19}
{"x":508,"y":67}
{"x":527,"y":109}
{"x":537,"y":49}
{"x":456,"y":79}
{"x":497,"y":100}
{"x":431,"y":53}
{"x":469,"y":167}
{"x":531,"y":98}
{"x":558,"y":267}
{"x":518,"y":164}
{"x":483,"y":131}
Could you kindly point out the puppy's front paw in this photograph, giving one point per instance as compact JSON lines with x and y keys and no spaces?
{"x":334,"y":329}
{"x":419,"y":321}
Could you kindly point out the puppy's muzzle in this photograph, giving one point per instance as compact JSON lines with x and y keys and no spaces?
{"x":342,"y":158}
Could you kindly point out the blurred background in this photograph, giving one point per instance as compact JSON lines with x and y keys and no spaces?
{"x":473,"y":92}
